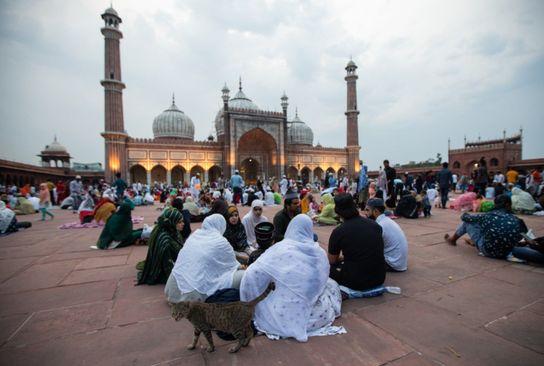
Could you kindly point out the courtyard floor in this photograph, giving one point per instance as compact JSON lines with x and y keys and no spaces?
{"x":62,"y":303}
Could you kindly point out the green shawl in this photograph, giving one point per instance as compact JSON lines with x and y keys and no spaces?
{"x":165,"y":243}
{"x":118,"y":227}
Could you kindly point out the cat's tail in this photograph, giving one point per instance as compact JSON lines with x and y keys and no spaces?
{"x":271,"y":286}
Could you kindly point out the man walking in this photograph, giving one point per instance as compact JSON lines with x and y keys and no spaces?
{"x":445,"y":180}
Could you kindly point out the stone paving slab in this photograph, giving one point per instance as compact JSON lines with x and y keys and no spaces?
{"x":62,"y":303}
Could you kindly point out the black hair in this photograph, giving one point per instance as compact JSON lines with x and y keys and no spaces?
{"x":502,"y":201}
{"x":386,"y":161}
{"x":118,"y":175}
{"x":344,"y":206}
{"x":445,"y":164}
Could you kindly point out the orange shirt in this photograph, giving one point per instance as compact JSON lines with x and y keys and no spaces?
{"x":512,"y":176}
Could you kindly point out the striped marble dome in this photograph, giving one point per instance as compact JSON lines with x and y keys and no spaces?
{"x":173,"y":123}
{"x":299,"y":133}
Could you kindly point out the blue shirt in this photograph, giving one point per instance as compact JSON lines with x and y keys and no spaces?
{"x":363,"y":178}
{"x":236,"y":181}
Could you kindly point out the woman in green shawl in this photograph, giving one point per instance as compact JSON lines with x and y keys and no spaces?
{"x":118,"y":231}
{"x":164,"y":245}
{"x":327,"y":215}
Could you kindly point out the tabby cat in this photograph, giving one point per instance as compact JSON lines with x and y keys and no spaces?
{"x":234,"y":318}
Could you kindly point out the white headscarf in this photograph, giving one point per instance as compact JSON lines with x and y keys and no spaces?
{"x":207,"y":262}
{"x":250,"y":220}
{"x":300,"y":269}
{"x":6,"y":216}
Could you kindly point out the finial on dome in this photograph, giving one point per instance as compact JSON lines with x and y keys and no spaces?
{"x":296,"y":112}
{"x":240,"y":83}
{"x":55,"y":138}
{"x":173,"y":99}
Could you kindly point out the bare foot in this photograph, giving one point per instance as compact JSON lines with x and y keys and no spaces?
{"x":470,"y":242}
{"x":450,"y":240}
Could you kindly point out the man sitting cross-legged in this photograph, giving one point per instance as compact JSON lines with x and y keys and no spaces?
{"x":394,"y":240}
{"x":361,"y":265}
{"x":494,"y":233}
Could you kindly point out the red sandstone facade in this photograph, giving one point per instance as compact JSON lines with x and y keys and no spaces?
{"x":499,"y":154}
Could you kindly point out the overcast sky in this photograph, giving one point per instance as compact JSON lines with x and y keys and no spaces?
{"x":428,"y":70}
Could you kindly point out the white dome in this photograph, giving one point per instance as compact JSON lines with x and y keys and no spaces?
{"x":173,"y":123}
{"x":299,"y":133}
{"x":55,"y":147}
{"x":240,"y":101}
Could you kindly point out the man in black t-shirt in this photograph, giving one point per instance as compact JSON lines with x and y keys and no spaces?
{"x":361,"y":266}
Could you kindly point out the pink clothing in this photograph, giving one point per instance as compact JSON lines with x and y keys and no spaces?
{"x":464,"y":202}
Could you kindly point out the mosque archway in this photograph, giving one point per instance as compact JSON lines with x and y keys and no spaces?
{"x":456,"y":165}
{"x":318,"y":173}
{"x":138,"y":174}
{"x":342,"y":172}
{"x":158,"y":174}
{"x":292,"y":173}
{"x":261,"y":147}
{"x":494,"y":162}
{"x":331,"y":171}
{"x":178,"y":174}
{"x":249,"y":170}
{"x":214,"y":173}
{"x":198,"y":169}
{"x":305,"y":175}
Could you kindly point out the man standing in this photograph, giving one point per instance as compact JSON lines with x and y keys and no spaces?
{"x":196,"y":185}
{"x":362,"y":186}
{"x":284,"y":184}
{"x":390,"y":174}
{"x":76,"y":189}
{"x":120,"y":185}
{"x":512,"y":176}
{"x":445,"y":179}
{"x":291,"y":208}
{"x":356,"y":248}
{"x":236,"y":183}
{"x":395,"y":245}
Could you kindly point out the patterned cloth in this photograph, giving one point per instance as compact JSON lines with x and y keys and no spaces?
{"x":501,"y":231}
{"x":165,"y":243}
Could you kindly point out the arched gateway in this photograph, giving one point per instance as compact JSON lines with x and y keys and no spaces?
{"x":257,"y":155}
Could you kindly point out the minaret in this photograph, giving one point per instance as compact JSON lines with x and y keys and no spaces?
{"x":225,"y":139}
{"x":114,"y":127}
{"x":351,"y":119}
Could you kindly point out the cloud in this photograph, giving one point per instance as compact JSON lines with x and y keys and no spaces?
{"x":427,"y":70}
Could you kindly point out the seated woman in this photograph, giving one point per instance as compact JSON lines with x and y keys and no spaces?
{"x":164,"y":245}
{"x":194,"y":210}
{"x":407,"y":206}
{"x":104,"y":209}
{"x":23,"y":207}
{"x":252,"y":218}
{"x":305,"y":300}
{"x":86,"y":209}
{"x":205,"y":264}
{"x":8,"y":221}
{"x":178,"y":204}
{"x":118,"y":231}
{"x":522,"y":202}
{"x":236,"y":235}
{"x":327,"y":215}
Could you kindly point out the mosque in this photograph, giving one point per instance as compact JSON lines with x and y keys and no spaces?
{"x":254,"y":141}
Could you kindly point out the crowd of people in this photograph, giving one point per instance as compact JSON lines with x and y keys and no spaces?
{"x":247,"y":253}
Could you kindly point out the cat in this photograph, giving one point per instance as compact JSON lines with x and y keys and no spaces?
{"x":234,"y":318}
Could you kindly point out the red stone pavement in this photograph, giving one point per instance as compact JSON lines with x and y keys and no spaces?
{"x":62,"y":303}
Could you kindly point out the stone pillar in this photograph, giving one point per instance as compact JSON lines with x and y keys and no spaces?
{"x":148,"y":177}
{"x":186,"y":177}
{"x":311,"y":176}
{"x":206,"y":176}
{"x":168,"y":176}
